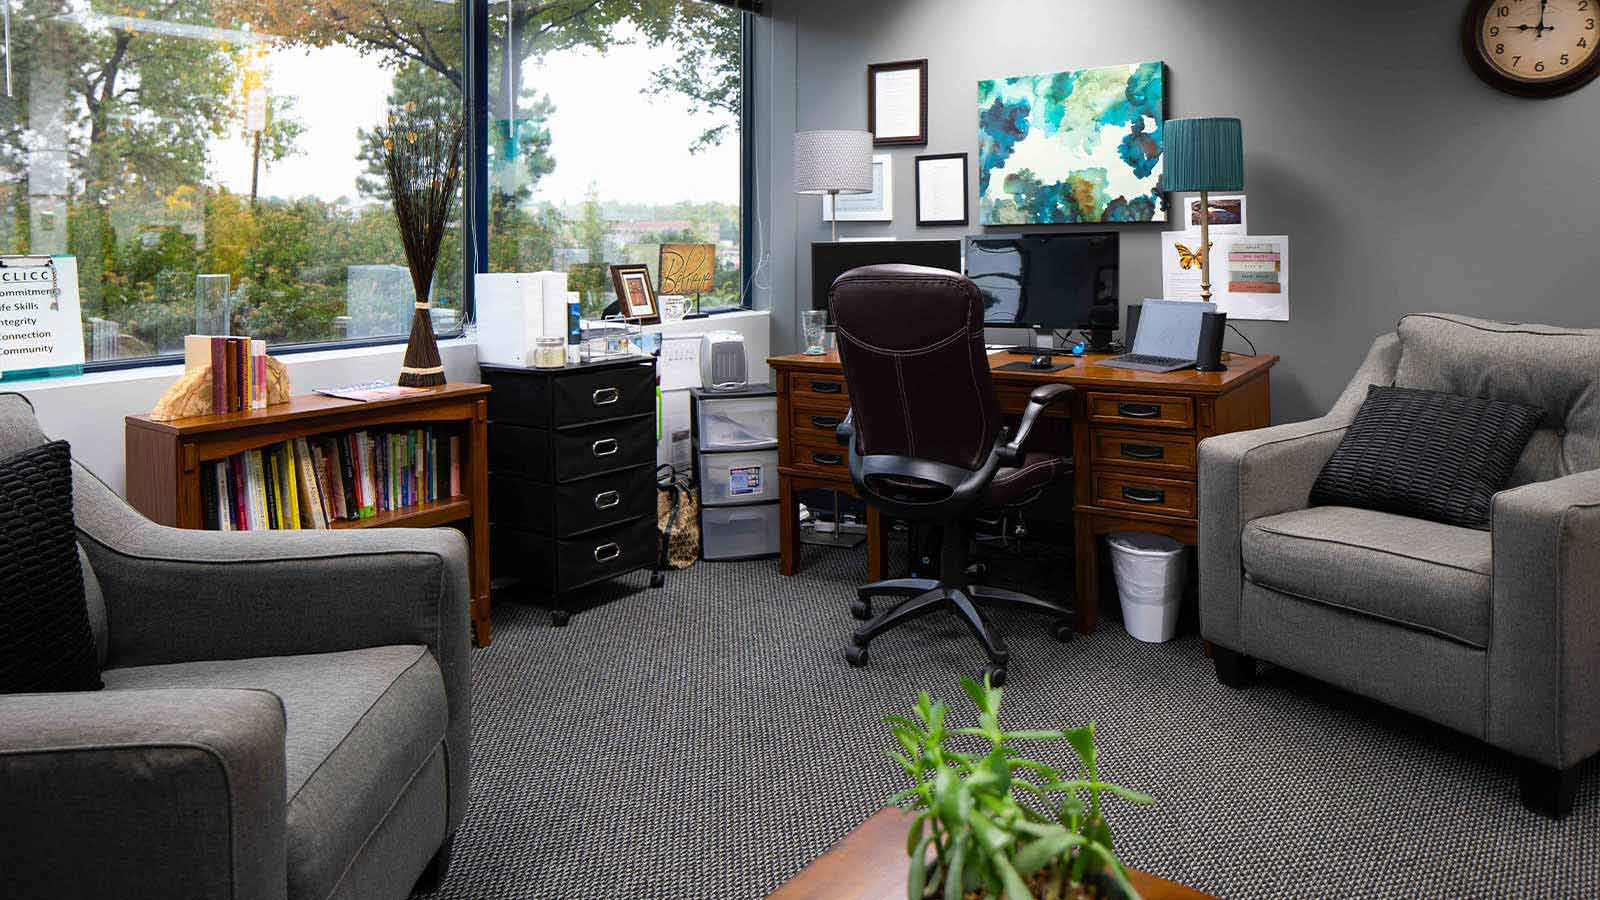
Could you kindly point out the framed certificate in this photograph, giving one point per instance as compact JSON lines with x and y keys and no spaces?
{"x":897,"y":103}
{"x":942,"y":189}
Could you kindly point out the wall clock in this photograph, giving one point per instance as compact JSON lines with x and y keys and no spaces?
{"x":1533,"y":48}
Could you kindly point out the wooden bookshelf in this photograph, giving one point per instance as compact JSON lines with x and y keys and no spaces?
{"x":164,"y":462}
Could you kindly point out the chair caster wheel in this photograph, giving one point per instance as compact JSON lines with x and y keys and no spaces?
{"x":855,"y":656}
{"x":861,"y":609}
{"x":559,"y":618}
{"x":1062,"y":631}
{"x":657,"y":579}
{"x":996,"y":675}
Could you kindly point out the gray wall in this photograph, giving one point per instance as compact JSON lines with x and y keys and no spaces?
{"x":1403,"y":182}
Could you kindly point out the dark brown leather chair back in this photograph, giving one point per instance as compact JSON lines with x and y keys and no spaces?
{"x":911,"y":342}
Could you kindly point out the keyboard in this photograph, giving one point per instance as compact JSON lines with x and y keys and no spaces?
{"x":1147,"y":363}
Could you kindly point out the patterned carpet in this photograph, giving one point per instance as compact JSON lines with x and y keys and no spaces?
{"x":708,"y":740}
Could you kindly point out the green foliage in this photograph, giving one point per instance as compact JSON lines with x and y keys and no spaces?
{"x":985,"y":840}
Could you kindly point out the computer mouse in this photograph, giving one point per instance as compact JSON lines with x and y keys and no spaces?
{"x":1040,"y":362}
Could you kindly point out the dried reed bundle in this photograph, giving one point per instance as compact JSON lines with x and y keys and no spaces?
{"x":422,"y":163}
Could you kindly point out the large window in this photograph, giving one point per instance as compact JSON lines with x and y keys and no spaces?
{"x":612,"y":134}
{"x":211,"y":163}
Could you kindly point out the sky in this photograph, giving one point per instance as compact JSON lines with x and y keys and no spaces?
{"x":634,"y":147}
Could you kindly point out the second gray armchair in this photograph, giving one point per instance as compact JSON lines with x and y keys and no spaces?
{"x":1495,"y":633}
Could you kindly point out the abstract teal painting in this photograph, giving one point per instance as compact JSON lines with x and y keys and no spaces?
{"x":1077,"y":146}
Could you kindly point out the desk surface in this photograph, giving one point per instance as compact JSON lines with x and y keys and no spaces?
{"x":1085,"y":370}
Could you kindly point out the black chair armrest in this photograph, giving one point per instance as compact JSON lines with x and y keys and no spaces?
{"x":846,"y":432}
{"x":1042,"y":397}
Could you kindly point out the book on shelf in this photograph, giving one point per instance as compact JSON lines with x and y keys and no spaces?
{"x":238,"y":369}
{"x":316,"y":482}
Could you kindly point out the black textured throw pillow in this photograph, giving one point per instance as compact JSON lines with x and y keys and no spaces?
{"x":45,"y":641}
{"x":1427,"y":455}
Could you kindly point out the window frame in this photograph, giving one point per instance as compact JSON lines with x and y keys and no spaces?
{"x":475,"y":188}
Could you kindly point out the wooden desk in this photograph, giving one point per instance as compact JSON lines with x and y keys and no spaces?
{"x":1132,"y":436}
{"x":870,"y":864}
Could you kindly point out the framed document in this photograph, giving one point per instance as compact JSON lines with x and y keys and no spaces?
{"x":897,"y":103}
{"x":942,"y":189}
{"x":875,"y":206}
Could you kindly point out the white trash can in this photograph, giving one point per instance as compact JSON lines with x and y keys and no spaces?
{"x":1150,"y":569}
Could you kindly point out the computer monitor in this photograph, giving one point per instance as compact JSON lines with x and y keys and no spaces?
{"x":830,"y":260}
{"x":1045,"y":280}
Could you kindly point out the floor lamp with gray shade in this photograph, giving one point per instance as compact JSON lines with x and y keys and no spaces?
{"x":833,"y":163}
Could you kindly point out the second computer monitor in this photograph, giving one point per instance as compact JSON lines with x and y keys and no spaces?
{"x":830,"y":260}
{"x":1044,"y":280}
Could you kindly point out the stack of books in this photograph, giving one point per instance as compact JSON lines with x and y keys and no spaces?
{"x":316,"y":481}
{"x":238,"y":369}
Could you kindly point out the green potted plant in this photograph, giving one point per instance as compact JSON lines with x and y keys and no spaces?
{"x":993,"y":824}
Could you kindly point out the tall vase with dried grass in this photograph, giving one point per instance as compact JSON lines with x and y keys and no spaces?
{"x":422,"y":164}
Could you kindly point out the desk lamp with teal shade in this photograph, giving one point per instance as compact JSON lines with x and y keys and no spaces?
{"x":1203,"y":154}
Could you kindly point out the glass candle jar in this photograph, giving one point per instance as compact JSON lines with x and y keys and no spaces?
{"x":549,"y":352}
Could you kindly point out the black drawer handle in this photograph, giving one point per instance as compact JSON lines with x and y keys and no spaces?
{"x":607,"y":552}
{"x":1143,"y":495}
{"x":826,"y":387}
{"x":607,"y":499}
{"x":1143,"y":451}
{"x":605,"y":396}
{"x":825,"y":421}
{"x":827,"y":459}
{"x":1138,"y":410}
{"x":604,"y":447}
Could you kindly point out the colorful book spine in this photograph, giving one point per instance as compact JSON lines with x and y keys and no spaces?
{"x":369,"y":486}
{"x":313,"y":508}
{"x":257,"y":491}
{"x":273,"y":485}
{"x":224,"y":496}
{"x":219,"y":387}
{"x":291,"y":487}
{"x":210,"y":507}
{"x":455,"y":465}
{"x":238,"y":486}
{"x":258,"y":361}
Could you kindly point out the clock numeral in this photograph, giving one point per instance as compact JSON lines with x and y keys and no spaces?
{"x":1583,"y":5}
{"x":1494,"y":31}
{"x":1499,"y":48}
{"x":1539,"y":66}
{"x":1588,"y":24}
{"x":1503,"y":11}
{"x":1583,"y":42}
{"x":1515,"y":60}
{"x":1564,"y":60}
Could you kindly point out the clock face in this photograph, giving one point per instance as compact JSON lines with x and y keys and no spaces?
{"x":1535,"y":47}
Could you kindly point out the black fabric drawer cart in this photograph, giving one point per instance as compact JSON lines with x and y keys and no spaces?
{"x":572,"y":483}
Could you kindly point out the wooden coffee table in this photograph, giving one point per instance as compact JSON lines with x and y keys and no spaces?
{"x":870,"y":864}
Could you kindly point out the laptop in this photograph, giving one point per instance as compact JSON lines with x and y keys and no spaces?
{"x":1168,"y":336}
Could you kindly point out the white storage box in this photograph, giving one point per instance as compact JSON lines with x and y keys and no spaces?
{"x":733,"y":478}
{"x":1150,"y":570}
{"x":739,"y":532}
{"x":737,"y":423}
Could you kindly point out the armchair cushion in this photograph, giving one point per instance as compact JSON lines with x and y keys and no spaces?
{"x":1427,"y":454}
{"x":360,"y":725}
{"x":46,"y":643}
{"x":1416,"y":573}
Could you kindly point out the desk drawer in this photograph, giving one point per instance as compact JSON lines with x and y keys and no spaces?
{"x":815,"y":426}
{"x":1015,"y":402}
{"x":810,"y":389}
{"x":549,"y":564}
{"x":1151,"y":451}
{"x":1165,"y":496}
{"x":1144,"y":410}
{"x":829,"y":458}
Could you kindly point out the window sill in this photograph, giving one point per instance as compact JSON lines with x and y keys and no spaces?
{"x":170,"y":371}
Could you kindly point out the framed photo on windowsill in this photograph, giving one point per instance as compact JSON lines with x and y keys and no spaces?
{"x":636,"y":296}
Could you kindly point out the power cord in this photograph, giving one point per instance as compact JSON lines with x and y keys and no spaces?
{"x":1252,"y":344}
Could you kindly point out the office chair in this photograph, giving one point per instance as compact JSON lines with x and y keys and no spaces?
{"x":926,"y":441}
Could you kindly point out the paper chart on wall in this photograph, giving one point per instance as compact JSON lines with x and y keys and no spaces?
{"x":1249,"y":273}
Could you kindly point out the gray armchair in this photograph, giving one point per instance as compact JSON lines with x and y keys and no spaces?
{"x":286,"y":715}
{"x":1493,"y":633}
